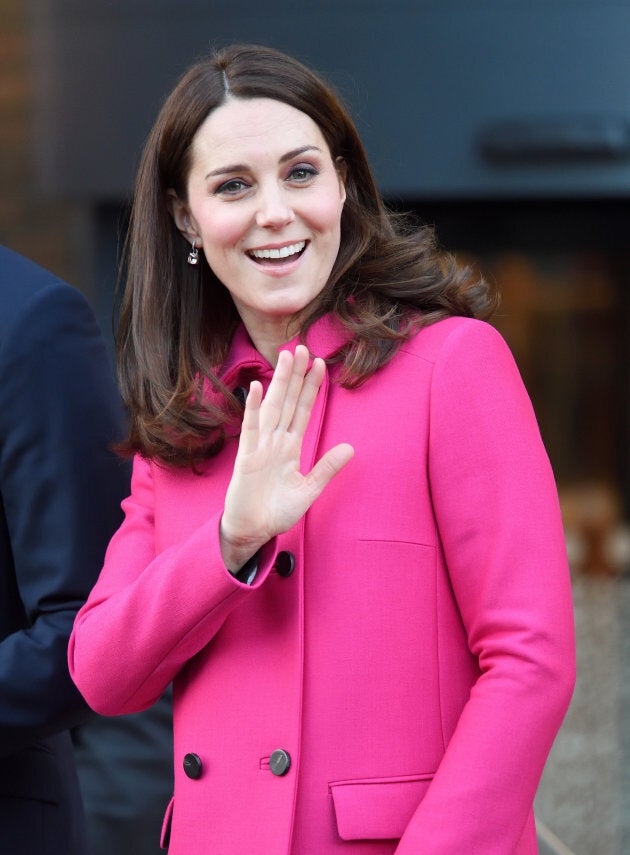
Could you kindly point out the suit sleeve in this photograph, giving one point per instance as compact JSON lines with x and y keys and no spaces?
{"x":496,"y":506}
{"x":61,"y":492}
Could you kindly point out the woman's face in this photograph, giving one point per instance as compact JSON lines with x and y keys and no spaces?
{"x":264,"y":203}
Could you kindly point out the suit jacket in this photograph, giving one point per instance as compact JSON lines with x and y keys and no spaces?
{"x":60,"y":489}
{"x":395,"y":676}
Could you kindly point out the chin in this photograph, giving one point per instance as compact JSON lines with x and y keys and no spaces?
{"x":288,"y":308}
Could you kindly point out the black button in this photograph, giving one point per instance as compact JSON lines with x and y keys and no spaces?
{"x":280,"y":762}
{"x":193,"y":766}
{"x":285,"y":563}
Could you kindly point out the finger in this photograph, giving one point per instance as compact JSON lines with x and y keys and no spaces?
{"x":273,"y":401}
{"x":251,"y":418}
{"x":294,"y":388}
{"x":308,"y":394}
{"x":327,"y":467}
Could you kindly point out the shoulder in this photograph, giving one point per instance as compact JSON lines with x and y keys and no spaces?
{"x":453,"y":333}
{"x":30,"y":294}
{"x":455,"y":338}
{"x":54,"y":367}
{"x":469,"y":361}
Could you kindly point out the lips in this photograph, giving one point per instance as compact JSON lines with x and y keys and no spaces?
{"x":278,"y":255}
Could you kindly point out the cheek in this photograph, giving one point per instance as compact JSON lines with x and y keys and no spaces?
{"x":222,"y":228}
{"x":224,"y":233}
{"x":326,"y":215}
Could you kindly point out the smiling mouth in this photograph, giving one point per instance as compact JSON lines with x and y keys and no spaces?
{"x":280,"y":255}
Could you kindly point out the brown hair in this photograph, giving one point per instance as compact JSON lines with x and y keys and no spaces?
{"x":176,"y":321}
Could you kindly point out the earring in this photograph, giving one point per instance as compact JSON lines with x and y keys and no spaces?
{"x":193,"y":255}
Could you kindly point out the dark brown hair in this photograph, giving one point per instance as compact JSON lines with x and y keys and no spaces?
{"x":176,"y":321}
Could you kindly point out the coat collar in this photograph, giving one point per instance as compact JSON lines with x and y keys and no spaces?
{"x":325,"y":337}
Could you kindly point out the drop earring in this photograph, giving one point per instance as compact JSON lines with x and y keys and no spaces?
{"x":193,"y":255}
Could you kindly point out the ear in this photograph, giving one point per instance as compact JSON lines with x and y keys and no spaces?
{"x":180,"y":213}
{"x":342,"y":172}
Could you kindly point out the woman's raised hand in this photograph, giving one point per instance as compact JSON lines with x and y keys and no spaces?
{"x":268,"y":494}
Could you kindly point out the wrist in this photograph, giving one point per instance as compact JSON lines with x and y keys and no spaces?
{"x":237,"y":552}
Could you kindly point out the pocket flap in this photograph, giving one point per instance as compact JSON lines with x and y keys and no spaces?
{"x":35,"y":772}
{"x":377,"y":809}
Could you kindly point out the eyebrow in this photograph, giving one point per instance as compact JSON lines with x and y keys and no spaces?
{"x":243,"y":167}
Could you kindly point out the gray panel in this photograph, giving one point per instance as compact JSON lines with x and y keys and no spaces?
{"x":425,"y":80}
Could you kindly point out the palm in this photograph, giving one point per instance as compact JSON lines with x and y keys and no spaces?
{"x":268,"y":494}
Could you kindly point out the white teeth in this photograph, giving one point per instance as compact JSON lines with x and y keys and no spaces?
{"x":283,"y":252}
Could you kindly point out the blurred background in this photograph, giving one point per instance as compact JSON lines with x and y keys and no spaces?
{"x":506,"y":124}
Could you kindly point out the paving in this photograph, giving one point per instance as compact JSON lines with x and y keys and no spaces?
{"x":583,"y":803}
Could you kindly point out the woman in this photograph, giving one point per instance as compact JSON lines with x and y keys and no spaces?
{"x":360,"y":593}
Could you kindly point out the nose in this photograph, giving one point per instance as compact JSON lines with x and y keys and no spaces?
{"x":274,"y":208}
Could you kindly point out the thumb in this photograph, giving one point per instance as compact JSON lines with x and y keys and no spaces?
{"x":328,"y":466}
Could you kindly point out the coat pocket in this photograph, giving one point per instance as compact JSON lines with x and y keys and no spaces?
{"x":165,"y":836}
{"x":36,"y":773}
{"x":377,"y":808}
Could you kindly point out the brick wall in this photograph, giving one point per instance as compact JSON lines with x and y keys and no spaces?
{"x":53,"y":232}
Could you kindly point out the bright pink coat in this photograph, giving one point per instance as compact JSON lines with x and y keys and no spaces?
{"x":415,"y":666}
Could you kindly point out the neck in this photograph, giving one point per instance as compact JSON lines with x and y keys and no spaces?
{"x":269,"y":334}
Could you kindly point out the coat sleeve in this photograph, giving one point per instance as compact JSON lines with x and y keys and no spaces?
{"x":152,"y":612}
{"x":497,"y":511}
{"x":61,"y":490}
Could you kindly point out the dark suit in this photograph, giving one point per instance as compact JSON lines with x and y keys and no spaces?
{"x":60,"y":492}
{"x":125,"y":767}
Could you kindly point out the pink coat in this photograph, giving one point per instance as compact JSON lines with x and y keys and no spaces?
{"x":416,"y":664}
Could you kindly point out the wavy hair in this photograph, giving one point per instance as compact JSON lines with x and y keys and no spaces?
{"x":176,"y":322}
